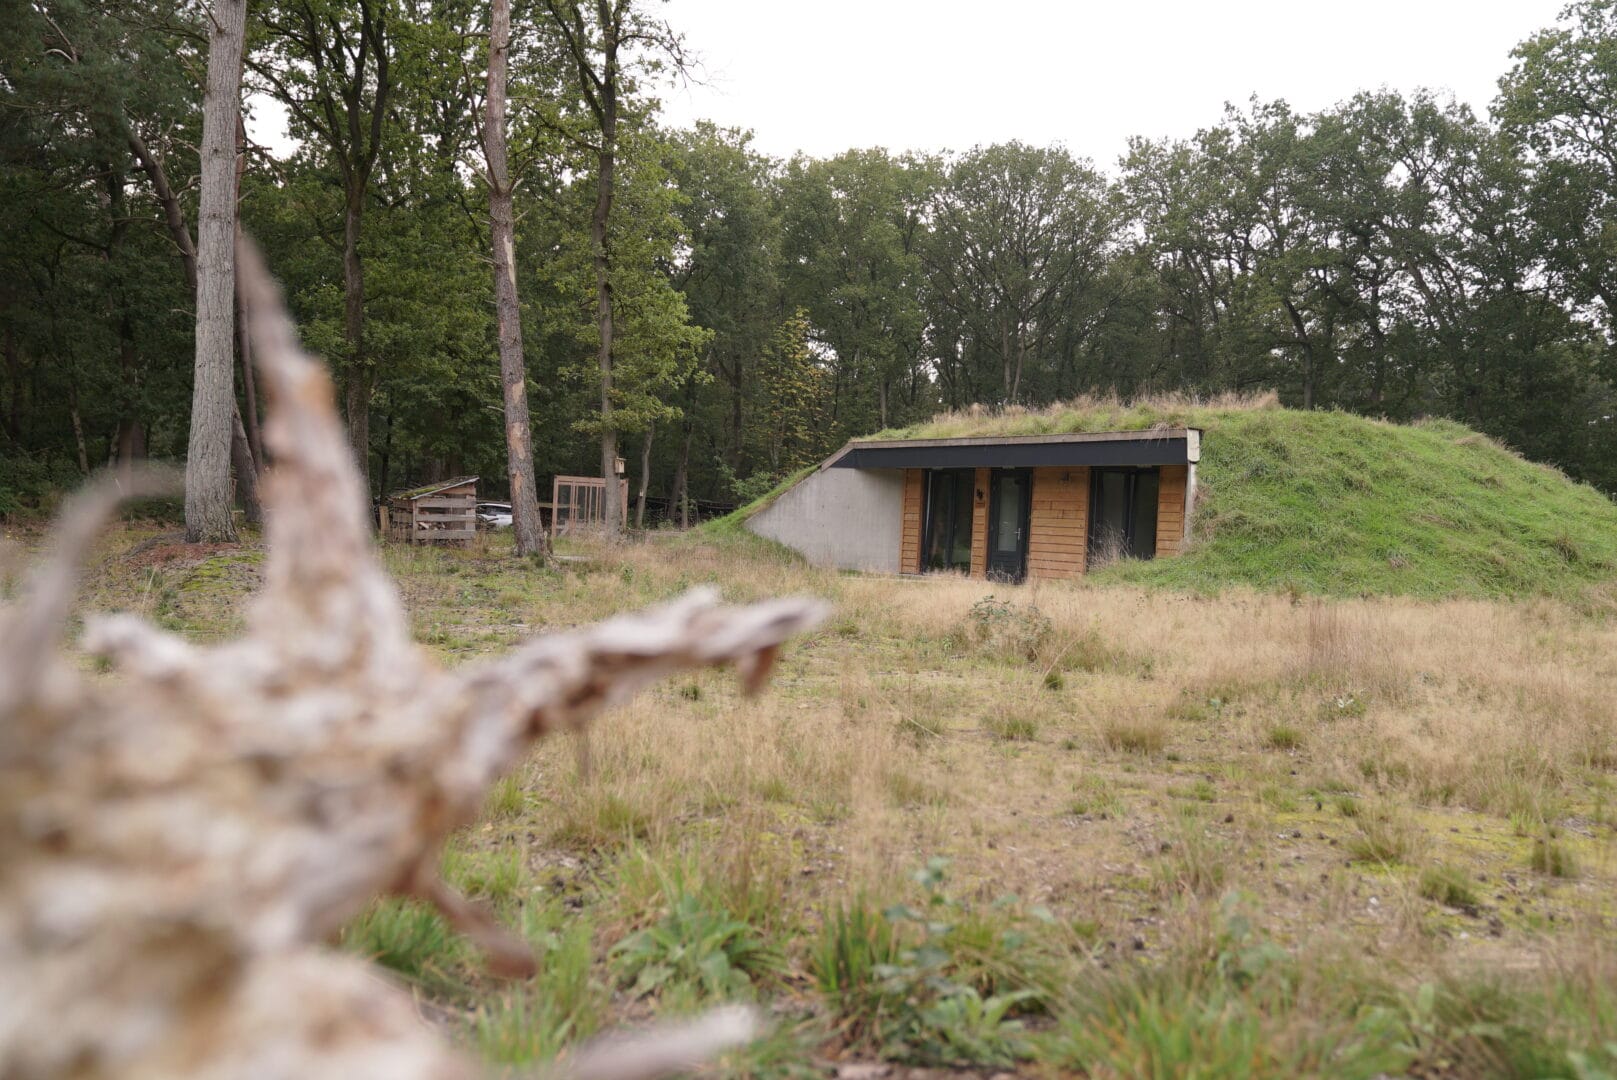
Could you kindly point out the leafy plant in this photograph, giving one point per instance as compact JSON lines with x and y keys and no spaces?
{"x":950,"y":998}
{"x":695,"y":945}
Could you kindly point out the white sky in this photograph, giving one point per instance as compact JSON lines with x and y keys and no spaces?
{"x":827,"y":75}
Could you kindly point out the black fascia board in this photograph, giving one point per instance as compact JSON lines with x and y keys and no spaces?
{"x":1017,"y":455}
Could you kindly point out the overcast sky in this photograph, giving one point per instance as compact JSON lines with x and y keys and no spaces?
{"x":826,"y":75}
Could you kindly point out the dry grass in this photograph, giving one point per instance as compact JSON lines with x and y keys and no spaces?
{"x":1121,"y":758}
{"x":1088,"y":412}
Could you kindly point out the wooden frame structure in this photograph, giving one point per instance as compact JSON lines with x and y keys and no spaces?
{"x":579,"y":502}
{"x":442,"y":513}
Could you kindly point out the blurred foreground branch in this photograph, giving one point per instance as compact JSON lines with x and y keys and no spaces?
{"x":177,"y":843}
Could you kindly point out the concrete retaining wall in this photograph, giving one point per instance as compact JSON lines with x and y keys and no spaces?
{"x":846,"y":518}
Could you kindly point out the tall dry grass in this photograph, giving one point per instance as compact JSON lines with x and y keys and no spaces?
{"x":903,"y":729}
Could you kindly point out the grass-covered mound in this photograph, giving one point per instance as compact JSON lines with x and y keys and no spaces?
{"x":1329,"y":503}
{"x":1325,"y":502}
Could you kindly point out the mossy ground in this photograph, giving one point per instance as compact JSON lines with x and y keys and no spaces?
{"x":1177,"y":833}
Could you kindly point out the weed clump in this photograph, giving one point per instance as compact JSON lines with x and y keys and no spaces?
{"x":1552,"y":857}
{"x":942,"y":985}
{"x":1134,"y":734}
{"x":1446,"y":885}
{"x":1385,"y":836}
{"x":1007,"y":629}
{"x":1012,"y":726}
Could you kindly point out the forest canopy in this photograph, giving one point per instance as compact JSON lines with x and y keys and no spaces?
{"x":1393,"y":255}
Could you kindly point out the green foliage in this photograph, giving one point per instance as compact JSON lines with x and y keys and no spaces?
{"x":29,"y":486}
{"x":1447,"y":885}
{"x":1550,"y":855}
{"x":697,"y":947}
{"x":938,"y":985}
{"x":855,"y":944}
{"x":1334,"y":504}
{"x":410,"y":938}
{"x":1004,"y":627}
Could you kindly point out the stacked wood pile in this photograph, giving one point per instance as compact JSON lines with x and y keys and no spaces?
{"x":179,"y":842}
{"x":441,"y":513}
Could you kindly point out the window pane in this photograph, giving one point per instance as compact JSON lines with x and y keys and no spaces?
{"x":1145,"y":515}
{"x":1109,"y":521}
{"x":960,"y":551}
{"x":947,"y":543}
{"x":1008,"y":514}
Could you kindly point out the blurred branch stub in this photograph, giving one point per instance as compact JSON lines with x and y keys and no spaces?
{"x":177,"y":843}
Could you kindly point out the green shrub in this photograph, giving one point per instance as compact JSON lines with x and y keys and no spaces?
{"x":1007,"y":629}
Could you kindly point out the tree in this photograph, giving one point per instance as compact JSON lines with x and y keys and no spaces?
{"x":1021,"y":235}
{"x":530,"y":539}
{"x":725,"y":265}
{"x":599,"y":37}
{"x":852,"y":229}
{"x":331,"y":63}
{"x":207,"y":459}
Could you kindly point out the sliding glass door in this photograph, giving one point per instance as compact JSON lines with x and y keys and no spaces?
{"x":948,"y":520}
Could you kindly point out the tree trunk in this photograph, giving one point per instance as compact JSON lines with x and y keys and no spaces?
{"x":606,"y":175}
{"x":530,"y":536}
{"x":357,"y":392}
{"x":678,"y":495}
{"x":241,"y":456}
{"x":131,"y":447}
{"x":244,"y":343}
{"x":213,"y":397}
{"x":645,"y":478}
{"x":78,"y":430}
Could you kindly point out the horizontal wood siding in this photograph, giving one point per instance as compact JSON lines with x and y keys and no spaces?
{"x":1171,"y":510}
{"x":909,"y":547}
{"x":1058,"y":525}
{"x":979,"y":525}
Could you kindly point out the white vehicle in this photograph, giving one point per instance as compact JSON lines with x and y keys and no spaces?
{"x":494,"y":515}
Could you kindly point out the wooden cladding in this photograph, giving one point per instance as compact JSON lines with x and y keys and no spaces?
{"x":909,"y":554}
{"x":1171,"y":509}
{"x":979,"y":523}
{"x":1058,"y":522}
{"x":1058,"y":525}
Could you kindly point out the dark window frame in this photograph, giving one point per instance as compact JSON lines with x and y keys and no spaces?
{"x":1132,"y":473}
{"x":929,"y":518}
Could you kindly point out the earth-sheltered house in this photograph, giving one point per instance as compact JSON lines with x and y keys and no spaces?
{"x":997,"y":507}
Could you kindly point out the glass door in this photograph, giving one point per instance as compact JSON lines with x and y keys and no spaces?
{"x":948,"y":520}
{"x":1009,"y":501}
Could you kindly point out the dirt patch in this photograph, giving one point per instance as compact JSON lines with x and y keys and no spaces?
{"x":171,"y":549}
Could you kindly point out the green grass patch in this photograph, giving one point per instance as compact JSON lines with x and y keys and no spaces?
{"x":1334,"y":504}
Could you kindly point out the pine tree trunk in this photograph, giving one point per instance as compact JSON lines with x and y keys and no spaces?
{"x":530,"y":536}
{"x":207,"y":465}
